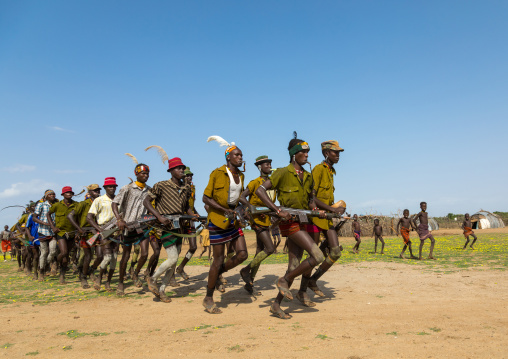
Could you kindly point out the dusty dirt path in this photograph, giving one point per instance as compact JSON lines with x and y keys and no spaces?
{"x":373,"y":310}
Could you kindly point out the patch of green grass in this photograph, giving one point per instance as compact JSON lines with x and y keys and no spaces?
{"x":7,"y":345}
{"x":73,"y":334}
{"x":435,"y":329}
{"x":392,"y":333}
{"x":33,"y":353}
{"x":323,"y":336}
{"x":236,"y":348}
{"x":122,"y":332}
{"x":422,"y":333}
{"x":67,"y":347}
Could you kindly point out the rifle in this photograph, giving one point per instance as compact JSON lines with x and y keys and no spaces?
{"x":300,"y":214}
{"x":241,"y":214}
{"x":140,"y":224}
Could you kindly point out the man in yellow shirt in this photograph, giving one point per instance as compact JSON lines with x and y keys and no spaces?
{"x":261,"y":225}
{"x":221,"y":196}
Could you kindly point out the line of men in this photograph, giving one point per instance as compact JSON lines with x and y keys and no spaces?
{"x":63,"y":224}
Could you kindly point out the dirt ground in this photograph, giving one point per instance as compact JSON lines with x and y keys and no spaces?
{"x":372,"y":310}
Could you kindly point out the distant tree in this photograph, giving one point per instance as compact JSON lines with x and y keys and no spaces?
{"x":451,"y":216}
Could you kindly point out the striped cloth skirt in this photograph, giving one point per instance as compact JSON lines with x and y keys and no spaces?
{"x":221,"y":236}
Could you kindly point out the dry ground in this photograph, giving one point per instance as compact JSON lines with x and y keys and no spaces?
{"x":372,"y":310}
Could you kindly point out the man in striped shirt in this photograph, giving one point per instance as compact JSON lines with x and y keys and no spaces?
{"x":127,"y":208}
{"x":171,"y":197}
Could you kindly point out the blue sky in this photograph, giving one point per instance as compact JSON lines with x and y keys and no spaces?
{"x":415,"y":91}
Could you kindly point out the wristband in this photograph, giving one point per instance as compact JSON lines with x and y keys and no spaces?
{"x":315,"y":209}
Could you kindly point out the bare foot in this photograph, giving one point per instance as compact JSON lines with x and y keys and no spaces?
{"x":245,"y":274}
{"x":431,"y":257}
{"x":210,"y":306}
{"x":182,"y":273}
{"x":313,"y":286}
{"x":303,"y":297}
{"x":119,"y":290}
{"x":164,"y":298}
{"x":84,"y":284}
{"x":152,"y":287}
{"x":283,"y":287}
{"x":401,"y":257}
{"x":276,"y":310}
{"x":107,"y":285}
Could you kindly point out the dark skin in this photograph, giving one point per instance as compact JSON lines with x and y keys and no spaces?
{"x":64,"y":245}
{"x":101,"y":250}
{"x":297,"y":242}
{"x":332,"y":157}
{"x":263,"y":238}
{"x":377,"y":232}
{"x":177,"y":177}
{"x":192,"y":241}
{"x":424,"y":219}
{"x":233,"y":161}
{"x":467,"y":223}
{"x":406,"y":222}
{"x":355,"y":226}
{"x":33,"y":253}
{"x":81,"y":234}
{"x":141,"y":177}
{"x":6,"y":228}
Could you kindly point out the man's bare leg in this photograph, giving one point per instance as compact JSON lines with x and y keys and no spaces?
{"x":474,"y":240}
{"x":432,"y":243}
{"x":126,"y":253}
{"x":219,"y":266}
{"x":143,"y":256}
{"x":192,"y":249}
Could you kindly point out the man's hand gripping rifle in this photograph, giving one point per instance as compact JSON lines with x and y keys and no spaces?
{"x":141,"y":224}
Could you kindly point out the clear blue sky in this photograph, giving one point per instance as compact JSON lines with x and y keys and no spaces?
{"x":415,"y":91}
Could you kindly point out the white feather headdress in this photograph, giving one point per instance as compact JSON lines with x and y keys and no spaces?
{"x":160,"y":151}
{"x":134,"y":159}
{"x":220,"y":140}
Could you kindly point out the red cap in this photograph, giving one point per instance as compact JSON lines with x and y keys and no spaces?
{"x":174,"y":162}
{"x":109,"y":181}
{"x":67,"y":189}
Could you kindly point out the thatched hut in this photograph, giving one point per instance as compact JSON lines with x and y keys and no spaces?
{"x":485,"y":219}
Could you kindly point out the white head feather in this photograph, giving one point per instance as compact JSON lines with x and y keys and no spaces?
{"x":220,"y":140}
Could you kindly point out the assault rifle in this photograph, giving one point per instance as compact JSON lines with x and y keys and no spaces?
{"x":298,"y":214}
{"x":139,"y":225}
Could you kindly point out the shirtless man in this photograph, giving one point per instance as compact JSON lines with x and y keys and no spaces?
{"x":468,"y":230}
{"x":423,"y":230}
{"x":357,"y":232}
{"x":6,"y":244}
{"x":377,"y":233}
{"x":406,"y":226}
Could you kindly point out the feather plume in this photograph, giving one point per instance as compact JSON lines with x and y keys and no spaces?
{"x":220,"y":140}
{"x":160,"y":151}
{"x":130,"y":179}
{"x":134,"y":159}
